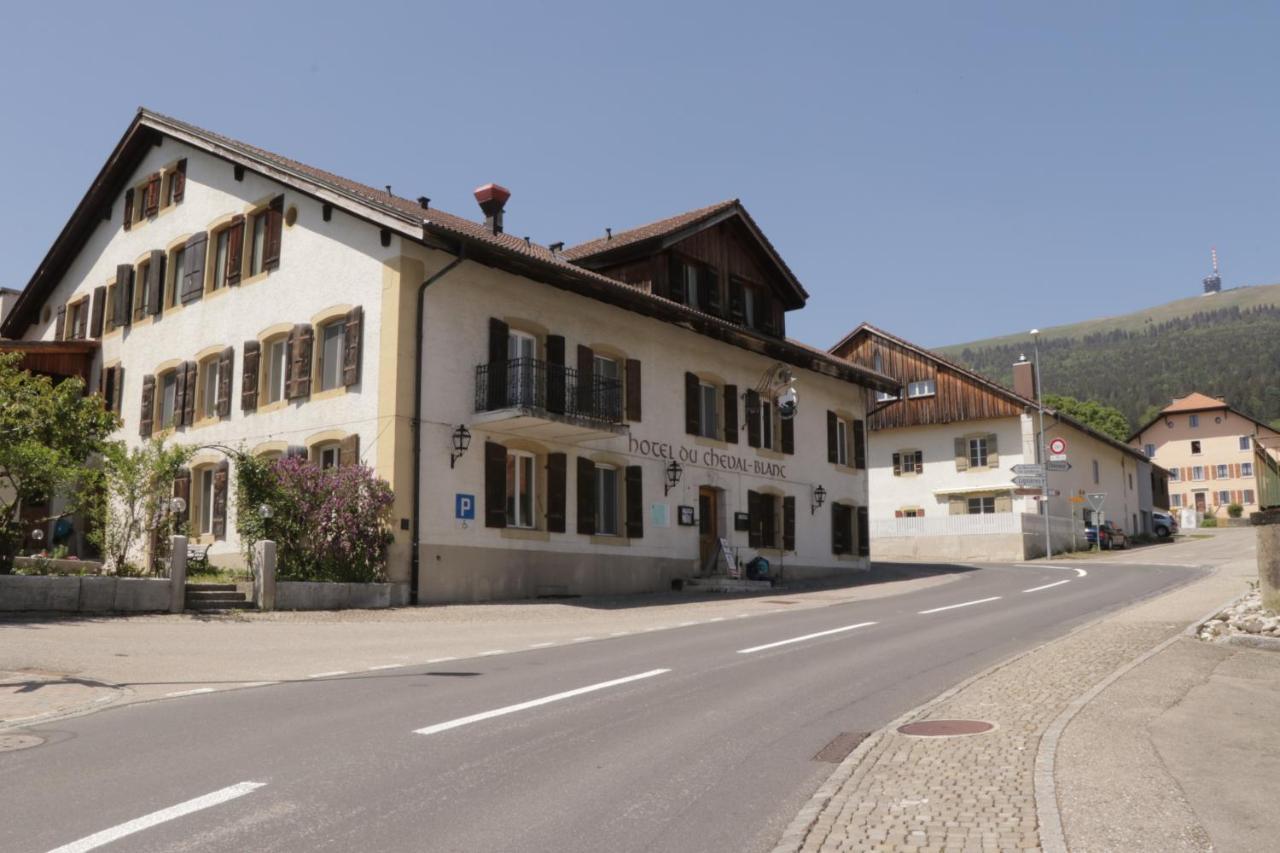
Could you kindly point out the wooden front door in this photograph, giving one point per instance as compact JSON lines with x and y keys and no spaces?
{"x":1200,"y":501}
{"x":708,"y":524}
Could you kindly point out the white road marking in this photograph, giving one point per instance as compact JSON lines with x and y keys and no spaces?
{"x":329,"y":674}
{"x":582,"y":639}
{"x":962,"y":604}
{"x":1047,"y":586}
{"x":805,"y":637}
{"x":742,"y":616}
{"x":540,"y":645}
{"x":716,"y":619}
{"x":534,"y":703}
{"x":686,"y":624}
{"x":441,"y":660}
{"x":619,"y":633}
{"x":1080,"y":573}
{"x":492,"y":652}
{"x":385,"y":666}
{"x":98,"y":839}
{"x":191,"y":692}
{"x":258,"y":683}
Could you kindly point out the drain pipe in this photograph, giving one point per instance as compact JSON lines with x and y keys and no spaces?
{"x":414,"y":564}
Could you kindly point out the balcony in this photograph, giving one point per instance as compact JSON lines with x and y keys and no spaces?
{"x":535,"y":399}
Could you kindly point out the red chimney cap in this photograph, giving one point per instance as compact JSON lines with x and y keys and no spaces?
{"x":492,"y":194}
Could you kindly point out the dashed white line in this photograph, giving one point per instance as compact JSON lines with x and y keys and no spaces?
{"x":385,"y":666}
{"x":329,"y":674}
{"x":788,"y":642}
{"x":686,"y":624}
{"x":1047,"y":586}
{"x":190,"y":692}
{"x":961,"y":604}
{"x":540,"y":645}
{"x":716,"y":619}
{"x":98,"y":839}
{"x":533,"y":703}
{"x":492,"y":652}
{"x":258,"y":683}
{"x":619,"y":633}
{"x":441,"y":660}
{"x":582,"y":639}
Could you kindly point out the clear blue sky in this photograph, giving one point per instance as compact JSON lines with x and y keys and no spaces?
{"x":947,"y":171}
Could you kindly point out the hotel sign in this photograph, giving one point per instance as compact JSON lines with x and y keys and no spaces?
{"x":706,"y":457}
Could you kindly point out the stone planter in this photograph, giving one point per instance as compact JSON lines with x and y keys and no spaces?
{"x":319,"y":595}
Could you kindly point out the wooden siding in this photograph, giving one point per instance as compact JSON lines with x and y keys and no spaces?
{"x":958,"y":397}
{"x":56,"y":359}
{"x":639,"y":274}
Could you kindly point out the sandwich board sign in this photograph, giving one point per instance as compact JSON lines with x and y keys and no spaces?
{"x":730,"y":564}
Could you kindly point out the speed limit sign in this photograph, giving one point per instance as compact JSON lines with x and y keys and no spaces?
{"x":1057,"y":449}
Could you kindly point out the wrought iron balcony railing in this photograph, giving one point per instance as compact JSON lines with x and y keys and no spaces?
{"x":539,"y":386}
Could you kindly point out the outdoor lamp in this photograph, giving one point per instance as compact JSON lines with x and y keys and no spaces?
{"x":265,"y":511}
{"x":819,"y":497}
{"x":674,"y":470}
{"x":37,"y":534}
{"x":177,"y":505}
{"x":461,"y":441}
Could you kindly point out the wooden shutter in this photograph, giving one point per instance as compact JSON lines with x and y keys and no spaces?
{"x":755,"y":520}
{"x":731,"y":414}
{"x":993,"y":452}
{"x":737,"y":302}
{"x":275,"y":221}
{"x":586,"y":496}
{"x":859,"y":445}
{"x":220,"y":500}
{"x":155,"y":282}
{"x":962,"y":454}
{"x":864,"y":531}
{"x":789,"y":523}
{"x":557,"y":491}
{"x":249,"y":376}
{"x":957,"y":506}
{"x":105,"y":377}
{"x":153,"y":194}
{"x":496,"y":371}
{"x":1004,"y":503}
{"x":235,"y":248}
{"x":633,"y":389}
{"x":180,"y":181}
{"x":194,"y":260}
{"x":692,"y":410}
{"x":123,"y":313}
{"x":709,"y":290}
{"x":116,"y":401}
{"x":897,"y":513}
{"x":60,"y":324}
{"x":919,"y":461}
{"x":128,"y":208}
{"x":139,"y":298}
{"x":788,"y":434}
{"x":839,"y":529}
{"x":147,"y":415}
{"x":226,"y":366}
{"x":191,"y":369}
{"x":897,"y":464}
{"x":753,"y":418}
{"x":182,"y":489}
{"x":675,"y":280}
{"x":180,"y":394}
{"x":555,"y":373}
{"x":495,"y":484}
{"x":352,"y":333}
{"x":300,"y":345}
{"x":99,"y":311}
{"x":635,"y":502}
{"x":833,"y":428}
{"x":586,"y":384}
{"x":349,"y":450}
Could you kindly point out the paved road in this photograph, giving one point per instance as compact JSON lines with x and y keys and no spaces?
{"x":699,"y":737}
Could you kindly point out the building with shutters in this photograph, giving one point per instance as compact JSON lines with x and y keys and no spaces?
{"x":525,"y":403}
{"x":1216,"y":456}
{"x":941,"y":449}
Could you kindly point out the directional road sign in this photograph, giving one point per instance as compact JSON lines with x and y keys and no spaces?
{"x":1095,"y":499}
{"x":1027,"y":469}
{"x":1029,"y":482}
{"x":1058,"y":466}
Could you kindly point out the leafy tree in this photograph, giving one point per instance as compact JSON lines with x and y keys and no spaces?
{"x":1275,"y":424}
{"x":1105,"y":419}
{"x":1149,"y":415}
{"x":48,"y":434}
{"x":134,"y":500}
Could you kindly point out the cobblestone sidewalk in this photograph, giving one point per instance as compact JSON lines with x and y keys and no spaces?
{"x":27,"y":697}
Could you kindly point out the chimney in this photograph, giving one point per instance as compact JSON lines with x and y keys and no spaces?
{"x":1024,"y":378}
{"x":492,"y":199}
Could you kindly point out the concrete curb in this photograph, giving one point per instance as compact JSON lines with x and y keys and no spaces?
{"x":793,"y":837}
{"x":1249,"y":641}
{"x":80,"y":709}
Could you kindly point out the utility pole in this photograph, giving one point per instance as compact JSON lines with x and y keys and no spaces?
{"x":1044,"y":450}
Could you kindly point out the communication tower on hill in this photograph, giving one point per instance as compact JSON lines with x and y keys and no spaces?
{"x":1213,"y":281}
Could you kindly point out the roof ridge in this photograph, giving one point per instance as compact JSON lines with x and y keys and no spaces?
{"x":657,"y":226}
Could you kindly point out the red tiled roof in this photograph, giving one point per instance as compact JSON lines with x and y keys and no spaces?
{"x":660,"y":228}
{"x":1193,"y":402}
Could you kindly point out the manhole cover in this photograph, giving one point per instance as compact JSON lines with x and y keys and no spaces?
{"x":9,"y":743}
{"x":945,"y":728}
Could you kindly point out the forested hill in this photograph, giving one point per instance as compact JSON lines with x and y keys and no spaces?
{"x":1226,"y":344}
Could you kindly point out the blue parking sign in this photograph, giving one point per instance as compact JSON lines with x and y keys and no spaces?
{"x":464,"y":506}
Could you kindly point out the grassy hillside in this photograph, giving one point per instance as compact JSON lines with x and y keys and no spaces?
{"x":1227,"y":343}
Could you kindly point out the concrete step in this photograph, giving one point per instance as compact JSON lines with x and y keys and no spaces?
{"x":215,"y":596}
{"x":211,"y":587}
{"x":219,"y":605}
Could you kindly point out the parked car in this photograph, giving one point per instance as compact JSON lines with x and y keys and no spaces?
{"x":1163,"y":523}
{"x":1112,"y":536}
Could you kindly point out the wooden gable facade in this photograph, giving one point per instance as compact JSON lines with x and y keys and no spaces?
{"x":958,"y":395}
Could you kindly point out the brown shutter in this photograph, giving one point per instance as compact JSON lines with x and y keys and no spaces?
{"x":919,"y":461}
{"x":155,"y":282}
{"x":180,"y":181}
{"x":194,"y":260}
{"x":864,"y":531}
{"x":153,"y":194}
{"x":709,"y":291}
{"x":275,"y":219}
{"x":139,"y":298}
{"x":753,"y":418}
{"x":993,"y":452}
{"x":755,"y":520}
{"x":249,"y":376}
{"x":147,"y":415}
{"x":692,"y":416}
{"x":352,"y":334}
{"x":117,"y":384}
{"x":1004,"y":503}
{"x":859,"y":445}
{"x":897,"y":513}
{"x":586,"y":382}
{"x":105,"y":388}
{"x":557,"y":481}
{"x":60,"y":325}
{"x":586,"y":496}
{"x":897,"y":464}
{"x":839,"y":529}
{"x":833,"y":426}
{"x":300,"y":344}
{"x":962,"y":454}
{"x":128,"y":208}
{"x":555,"y":374}
{"x":496,"y":370}
{"x":731,"y":414}
{"x":226,"y":366}
{"x":235,"y":248}
{"x":789,"y":434}
{"x":495,"y":484}
{"x":123,"y":314}
{"x":920,"y":513}
{"x":349,"y":450}
{"x":633,"y":389}
{"x":675,"y":280}
{"x":99,"y":311}
{"x":191,"y":369}
{"x":789,"y":523}
{"x":182,"y":489}
{"x":737,"y":302}
{"x":220,"y":500}
{"x":635,"y":502}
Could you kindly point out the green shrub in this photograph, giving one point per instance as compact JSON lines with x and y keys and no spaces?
{"x":1235,"y":510}
{"x":1209,"y":521}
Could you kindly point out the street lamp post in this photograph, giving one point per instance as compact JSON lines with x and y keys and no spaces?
{"x":1044,"y":450}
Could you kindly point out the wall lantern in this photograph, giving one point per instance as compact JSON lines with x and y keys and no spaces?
{"x":461,"y":441}
{"x":674,"y":470}
{"x":177,"y":506}
{"x":819,"y":498}
{"x":265,"y":511}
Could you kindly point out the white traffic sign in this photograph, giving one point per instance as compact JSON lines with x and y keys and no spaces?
{"x":1095,"y":500}
{"x":1057,"y":446}
{"x":1029,"y":482}
{"x":1058,"y":465}
{"x":1027,"y":469}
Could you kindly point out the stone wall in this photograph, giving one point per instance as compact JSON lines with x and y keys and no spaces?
{"x":87,"y":594}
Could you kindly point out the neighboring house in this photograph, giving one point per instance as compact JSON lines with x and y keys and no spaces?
{"x":526,"y":403}
{"x":942,"y":447}
{"x":1216,"y":455}
{"x":8,"y":296}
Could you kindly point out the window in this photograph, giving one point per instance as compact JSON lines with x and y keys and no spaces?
{"x":519,"y":489}
{"x":205,"y":516}
{"x":690,"y":273}
{"x":1246,"y":469}
{"x":709,"y":423}
{"x":877,"y":362}
{"x":842,"y":442}
{"x":258,"y":241}
{"x":982,"y":506}
{"x":177,"y":263}
{"x":1175,"y":474}
{"x":78,"y":319}
{"x":209,"y":388}
{"x":908,"y":462}
{"x":331,"y":346}
{"x":1194,"y":420}
{"x":276,"y":369}
{"x":1222,"y":472}
{"x":610,"y":395}
{"x":221,"y":249}
{"x":522,"y":349}
{"x":1095,"y":472}
{"x":606,"y":500}
{"x":169,"y":399}
{"x":978,"y":453}
{"x":1248,"y":496}
{"x":923,"y":388}
{"x":912,"y":513}
{"x":171,"y":188}
{"x":766,"y":425}
{"x":749,"y":305}
{"x":1130,"y":482}
{"x":1197,"y":472}
{"x":1150,"y":450}
{"x":1224,"y":498}
{"x":141,"y":280}
{"x":1175,"y":501}
{"x":1195,"y":447}
{"x":329,"y":455}
{"x":1245,"y":443}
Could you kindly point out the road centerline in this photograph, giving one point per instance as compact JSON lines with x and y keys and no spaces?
{"x":961,"y":604}
{"x":813,"y":636}
{"x":534,"y":703}
{"x":1047,"y":586}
